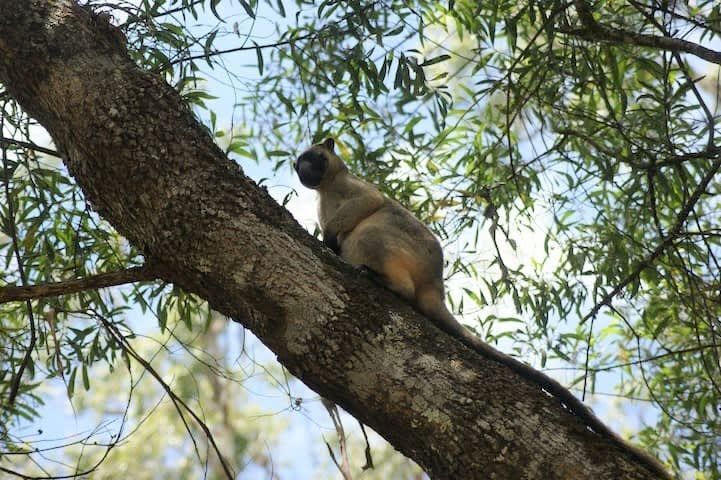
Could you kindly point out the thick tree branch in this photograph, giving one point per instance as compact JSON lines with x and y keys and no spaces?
{"x":597,"y":32}
{"x":155,"y":174}
{"x":13,"y":293}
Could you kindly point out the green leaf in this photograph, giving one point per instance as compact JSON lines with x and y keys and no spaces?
{"x":259,"y":55}
{"x":435,"y":60}
{"x":248,"y":9}
{"x":71,"y":382}
{"x":86,"y":379}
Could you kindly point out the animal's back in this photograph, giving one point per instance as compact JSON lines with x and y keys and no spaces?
{"x":396,"y":245}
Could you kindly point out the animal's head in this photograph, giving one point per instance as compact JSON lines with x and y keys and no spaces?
{"x":318,"y":165}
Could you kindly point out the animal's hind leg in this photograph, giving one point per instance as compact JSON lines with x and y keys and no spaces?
{"x":391,"y":266}
{"x":398,"y":278}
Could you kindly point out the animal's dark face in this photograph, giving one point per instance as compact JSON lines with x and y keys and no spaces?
{"x":311,"y":167}
{"x":317,"y":162}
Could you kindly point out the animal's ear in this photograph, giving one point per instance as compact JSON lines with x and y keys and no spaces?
{"x":329,"y":144}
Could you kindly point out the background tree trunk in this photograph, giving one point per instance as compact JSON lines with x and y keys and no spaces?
{"x":154,"y":173}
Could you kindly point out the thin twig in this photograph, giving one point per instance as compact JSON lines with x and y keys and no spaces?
{"x":127,"y":348}
{"x":12,"y":230}
{"x":369,"y":457}
{"x":344,"y":466}
{"x":310,"y":35}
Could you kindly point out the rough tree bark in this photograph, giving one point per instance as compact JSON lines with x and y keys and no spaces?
{"x":154,"y":173}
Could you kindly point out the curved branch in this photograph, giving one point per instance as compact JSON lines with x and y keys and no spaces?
{"x":597,"y":32}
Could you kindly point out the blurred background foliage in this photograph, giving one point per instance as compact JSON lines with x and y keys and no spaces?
{"x":564,"y":152}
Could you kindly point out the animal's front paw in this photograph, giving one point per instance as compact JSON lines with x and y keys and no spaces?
{"x":372,"y":274}
{"x":363,"y":270}
{"x":330,"y":240}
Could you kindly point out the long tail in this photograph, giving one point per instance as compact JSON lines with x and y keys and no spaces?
{"x":445,"y":320}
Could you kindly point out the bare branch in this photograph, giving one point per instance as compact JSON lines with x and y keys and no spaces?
{"x":597,"y":32}
{"x":33,"y":292}
{"x":344,"y":466}
{"x":30,"y":146}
